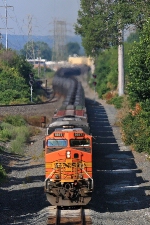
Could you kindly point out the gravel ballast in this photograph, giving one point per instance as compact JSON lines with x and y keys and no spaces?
{"x":121,"y":177}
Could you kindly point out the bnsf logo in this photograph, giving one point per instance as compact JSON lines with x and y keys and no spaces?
{"x":69,"y":165}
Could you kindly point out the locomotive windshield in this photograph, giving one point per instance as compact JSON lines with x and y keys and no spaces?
{"x":79,"y":142}
{"x":56,"y":143}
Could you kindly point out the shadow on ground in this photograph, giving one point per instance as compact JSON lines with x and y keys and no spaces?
{"x":21,"y":198}
{"x":116,"y":176}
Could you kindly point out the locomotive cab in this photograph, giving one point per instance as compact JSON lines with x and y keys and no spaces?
{"x":68,"y":167}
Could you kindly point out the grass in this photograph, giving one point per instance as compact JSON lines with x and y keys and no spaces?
{"x":17,"y":133}
{"x":16,"y":136}
{"x":15,"y":120}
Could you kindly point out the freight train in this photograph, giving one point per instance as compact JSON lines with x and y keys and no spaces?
{"x":68,"y":145}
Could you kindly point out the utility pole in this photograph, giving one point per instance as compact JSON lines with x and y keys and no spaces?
{"x":39,"y":63}
{"x":6,"y":21}
{"x":30,"y":54}
{"x":120,"y":64}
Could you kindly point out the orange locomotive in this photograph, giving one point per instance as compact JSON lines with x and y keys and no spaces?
{"x":68,"y":155}
{"x":68,"y":162}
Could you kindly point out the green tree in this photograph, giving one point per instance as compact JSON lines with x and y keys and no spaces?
{"x":91,"y":25}
{"x":106,"y":70}
{"x":40,"y":49}
{"x":13,"y":88}
{"x":99,"y":21}
{"x":14,"y":77}
{"x":16,"y":62}
{"x":133,"y":37}
{"x":73,"y":48}
{"x":139,"y":77}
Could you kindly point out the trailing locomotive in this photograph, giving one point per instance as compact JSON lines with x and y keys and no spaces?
{"x":68,"y":146}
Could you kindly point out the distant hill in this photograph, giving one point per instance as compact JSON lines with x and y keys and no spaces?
{"x":17,"y":42}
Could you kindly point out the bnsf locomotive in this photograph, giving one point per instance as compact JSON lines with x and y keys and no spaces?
{"x":68,"y":146}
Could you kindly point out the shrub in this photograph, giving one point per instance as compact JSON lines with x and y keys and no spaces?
{"x":16,"y":135}
{"x":33,"y":120}
{"x":136,"y":130}
{"x":17,"y":146}
{"x":138,"y":85}
{"x":15,"y":120}
{"x":22,"y":136}
{"x":108,"y":96}
{"x":5,"y":135}
{"x":6,"y":131}
{"x":23,"y":133}
{"x":117,"y":101}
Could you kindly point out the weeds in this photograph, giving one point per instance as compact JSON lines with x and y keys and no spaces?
{"x":136,"y":130}
{"x":33,"y":120}
{"x":135,"y":123}
{"x":15,"y":120}
{"x":14,"y":131}
{"x":116,"y":100}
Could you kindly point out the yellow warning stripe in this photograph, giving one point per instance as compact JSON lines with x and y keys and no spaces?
{"x":67,"y":165}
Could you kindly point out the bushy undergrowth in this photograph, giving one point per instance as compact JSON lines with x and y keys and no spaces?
{"x":16,"y":136}
{"x":116,"y":100}
{"x":15,"y":120}
{"x":136,"y":129}
{"x":16,"y":132}
{"x":34,"y":120}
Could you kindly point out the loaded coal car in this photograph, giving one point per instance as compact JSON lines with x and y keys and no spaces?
{"x":68,"y":150}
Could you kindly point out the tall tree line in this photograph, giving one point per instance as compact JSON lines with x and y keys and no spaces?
{"x":99,"y":21}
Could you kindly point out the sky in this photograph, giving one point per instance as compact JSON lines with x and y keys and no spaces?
{"x":37,"y":16}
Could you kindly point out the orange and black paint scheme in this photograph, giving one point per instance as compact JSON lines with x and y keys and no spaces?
{"x":68,"y":145}
{"x":68,"y":166}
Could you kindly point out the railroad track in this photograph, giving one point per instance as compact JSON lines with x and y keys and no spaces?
{"x":69,"y":217}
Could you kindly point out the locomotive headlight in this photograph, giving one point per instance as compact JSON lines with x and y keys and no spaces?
{"x":68,"y":154}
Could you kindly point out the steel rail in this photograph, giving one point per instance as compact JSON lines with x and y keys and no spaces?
{"x":82,"y":214}
{"x":58,"y":214}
